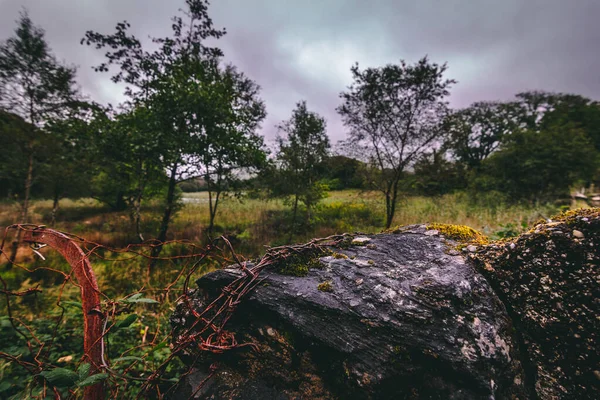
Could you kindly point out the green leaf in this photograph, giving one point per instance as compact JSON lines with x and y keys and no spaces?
{"x":159,"y":346}
{"x":127,"y":358}
{"x":137,"y":298}
{"x":4,"y":386}
{"x":83,"y":371}
{"x":71,"y":303}
{"x":127,"y":321}
{"x":5,"y":323}
{"x":60,"y":377}
{"x":93,"y":379}
{"x":132,"y":298}
{"x":145,"y":300}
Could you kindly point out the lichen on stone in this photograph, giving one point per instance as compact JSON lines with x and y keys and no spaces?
{"x":300,"y":263}
{"x":461,"y":233}
{"x":547,"y":278}
{"x":339,"y":256}
{"x":326,"y":286}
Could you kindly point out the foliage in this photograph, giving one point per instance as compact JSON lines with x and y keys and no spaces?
{"x":16,"y":135}
{"x":394,"y":114}
{"x":299,"y":160}
{"x":539,"y":165}
{"x":159,"y":80}
{"x":33,"y":84}
{"x":343,"y":172}
{"x":477,"y":131}
{"x":226,"y":144}
{"x":435,"y":175}
{"x":578,"y":112}
{"x":36,"y":87}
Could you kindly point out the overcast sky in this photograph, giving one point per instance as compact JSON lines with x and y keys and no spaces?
{"x":303,"y":49}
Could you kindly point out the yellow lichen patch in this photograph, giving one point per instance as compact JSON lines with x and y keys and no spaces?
{"x":461,"y":233}
{"x":396,"y":229}
{"x":326,"y":286}
{"x":339,"y":256}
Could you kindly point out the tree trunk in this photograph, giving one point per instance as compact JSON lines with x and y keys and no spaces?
{"x":137,"y":204}
{"x":120,"y":203}
{"x":389,"y":215}
{"x":295,"y":213}
{"x":391,"y":198}
{"x":25,"y":209}
{"x":55,"y":201}
{"x":213,"y":210}
{"x":164,"y":226}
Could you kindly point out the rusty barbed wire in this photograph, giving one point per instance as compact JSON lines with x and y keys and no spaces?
{"x":207,"y":333}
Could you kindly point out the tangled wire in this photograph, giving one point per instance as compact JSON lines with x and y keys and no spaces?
{"x":207,"y":332}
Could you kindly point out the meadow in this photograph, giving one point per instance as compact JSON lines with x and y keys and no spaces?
{"x":253,"y":224}
{"x":139,"y":330}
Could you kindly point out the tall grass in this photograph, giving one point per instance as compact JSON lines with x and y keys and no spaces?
{"x":255,"y":223}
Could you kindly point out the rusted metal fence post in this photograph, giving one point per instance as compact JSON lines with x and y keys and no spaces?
{"x":90,"y":298}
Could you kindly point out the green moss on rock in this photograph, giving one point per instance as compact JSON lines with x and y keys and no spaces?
{"x":326,"y":286}
{"x":460,"y":233}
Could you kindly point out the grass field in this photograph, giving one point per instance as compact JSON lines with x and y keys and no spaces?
{"x":53,"y":316}
{"x":254,"y":223}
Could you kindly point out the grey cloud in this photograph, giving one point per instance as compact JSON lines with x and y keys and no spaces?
{"x":303,"y":50}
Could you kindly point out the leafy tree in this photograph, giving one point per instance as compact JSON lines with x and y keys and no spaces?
{"x":539,"y":110}
{"x":226,"y":142}
{"x":576,"y":111}
{"x":36,"y":87}
{"x":16,"y":136}
{"x":299,"y":157}
{"x":474,"y":133}
{"x":149,"y":72}
{"x":394,"y":114}
{"x":343,"y":172}
{"x":68,"y":166}
{"x":434,"y":174}
{"x":130,"y":170}
{"x":533,"y":105}
{"x":539,"y":165}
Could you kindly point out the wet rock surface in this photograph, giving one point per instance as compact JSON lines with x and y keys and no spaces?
{"x":549,"y":280}
{"x":403,"y":316}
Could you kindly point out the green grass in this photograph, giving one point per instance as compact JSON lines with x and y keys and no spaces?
{"x":250,"y":225}
{"x":254,"y":223}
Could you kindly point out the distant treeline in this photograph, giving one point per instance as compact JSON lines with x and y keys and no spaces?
{"x":191,"y":122}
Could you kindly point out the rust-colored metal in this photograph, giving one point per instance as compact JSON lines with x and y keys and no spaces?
{"x":90,"y":297}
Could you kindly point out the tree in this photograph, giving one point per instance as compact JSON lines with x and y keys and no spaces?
{"x":343,"y":172}
{"x":226,"y":142}
{"x":576,"y":111}
{"x":476,"y":132}
{"x":16,"y":137}
{"x":299,"y":158}
{"x":131,"y":169}
{"x":394,"y":114}
{"x":533,"y":105}
{"x":148,"y":73}
{"x":69,"y":163}
{"x":539,"y":166}
{"x":36,"y":87}
{"x":435,"y":175}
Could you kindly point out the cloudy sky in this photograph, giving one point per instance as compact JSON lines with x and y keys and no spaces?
{"x":303,"y":49}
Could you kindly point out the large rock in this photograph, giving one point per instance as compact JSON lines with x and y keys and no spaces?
{"x":549,"y":281}
{"x":394,"y":316}
{"x":410,"y":316}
